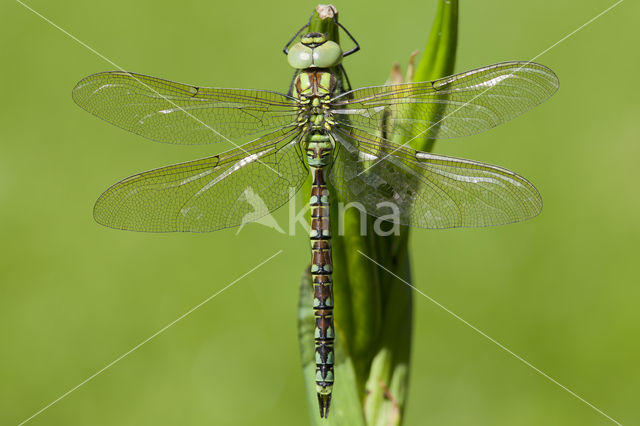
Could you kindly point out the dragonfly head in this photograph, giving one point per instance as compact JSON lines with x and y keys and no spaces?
{"x":314,"y":50}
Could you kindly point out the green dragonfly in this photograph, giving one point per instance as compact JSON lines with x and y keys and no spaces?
{"x":341,"y":137}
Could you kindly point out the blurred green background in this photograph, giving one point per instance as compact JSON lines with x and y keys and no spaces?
{"x":560,"y":290}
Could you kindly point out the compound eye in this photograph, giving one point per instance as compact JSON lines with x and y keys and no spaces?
{"x":300,"y":56}
{"x":327,"y":55}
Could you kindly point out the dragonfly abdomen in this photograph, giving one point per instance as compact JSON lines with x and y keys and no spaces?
{"x":319,"y":152}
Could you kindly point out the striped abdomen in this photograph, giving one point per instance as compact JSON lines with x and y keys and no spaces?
{"x":319,"y":153}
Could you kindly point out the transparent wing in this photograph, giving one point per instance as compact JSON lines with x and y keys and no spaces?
{"x":226,"y":190}
{"x":166,"y":111}
{"x":426,"y":190}
{"x":459,"y":105}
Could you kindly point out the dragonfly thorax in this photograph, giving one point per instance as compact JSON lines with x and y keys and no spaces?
{"x":314,"y":50}
{"x":314,"y":91}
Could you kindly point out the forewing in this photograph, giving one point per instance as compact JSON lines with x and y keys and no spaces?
{"x":222,"y":191}
{"x":166,"y":111}
{"x":459,"y":105}
{"x":426,"y":190}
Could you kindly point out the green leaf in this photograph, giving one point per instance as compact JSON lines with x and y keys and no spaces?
{"x":439,"y":56}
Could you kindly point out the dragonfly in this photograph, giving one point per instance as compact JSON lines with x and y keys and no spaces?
{"x":342,"y":138}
